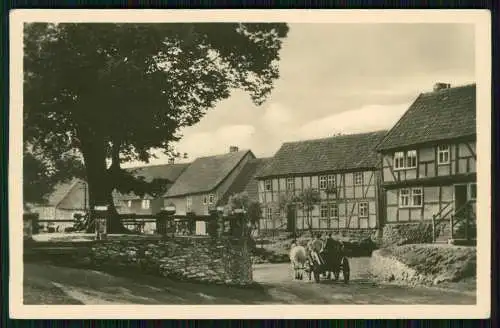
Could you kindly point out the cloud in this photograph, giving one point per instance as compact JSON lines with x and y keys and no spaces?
{"x":365,"y":119}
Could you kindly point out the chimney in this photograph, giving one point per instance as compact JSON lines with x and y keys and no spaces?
{"x":440,"y":86}
{"x":171,"y":160}
{"x":233,"y":149}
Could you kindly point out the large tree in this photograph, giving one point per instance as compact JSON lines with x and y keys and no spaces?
{"x":117,"y":92}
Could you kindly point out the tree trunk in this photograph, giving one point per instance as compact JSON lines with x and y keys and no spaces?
{"x":100,"y":189}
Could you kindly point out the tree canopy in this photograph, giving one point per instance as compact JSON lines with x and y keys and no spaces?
{"x":117,"y":92}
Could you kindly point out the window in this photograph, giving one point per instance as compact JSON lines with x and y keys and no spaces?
{"x":404,"y":198}
{"x":205,"y":200}
{"x":323,"y":211}
{"x":416,"y":194}
{"x":269,"y":213}
{"x":129,"y":203}
{"x":290,"y":184}
{"x":145,"y":204}
{"x":410,"y":197}
{"x":326,"y":181}
{"x":268,"y":185}
{"x":358,"y":178}
{"x":323,"y":182}
{"x":399,"y":160}
{"x":472,"y":191}
{"x":211,"y":199}
{"x":189,"y":203}
{"x":334,"y":211}
{"x":408,"y":161}
{"x":363,"y":209}
{"x":444,"y":154}
{"x":411,"y":159}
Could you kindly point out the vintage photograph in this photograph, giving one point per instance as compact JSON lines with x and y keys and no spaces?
{"x":247,"y":162}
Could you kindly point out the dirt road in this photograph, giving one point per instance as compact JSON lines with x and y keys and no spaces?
{"x":48,"y":284}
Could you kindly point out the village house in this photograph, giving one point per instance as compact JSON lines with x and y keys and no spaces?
{"x":342,"y":169}
{"x":429,"y":158}
{"x":147,"y":205}
{"x":206,"y":183}
{"x":66,"y":200}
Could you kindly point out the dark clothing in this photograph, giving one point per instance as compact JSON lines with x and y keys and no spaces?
{"x":332,"y":245}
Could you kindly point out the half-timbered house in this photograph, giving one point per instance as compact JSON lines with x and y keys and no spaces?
{"x":429,"y":157}
{"x":341,"y":170}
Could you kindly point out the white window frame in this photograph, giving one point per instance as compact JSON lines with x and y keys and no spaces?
{"x":414,"y":194}
{"x":332,"y":181}
{"x":327,"y":181}
{"x":269,"y":213}
{"x":324,"y":209}
{"x":290,"y":184}
{"x":356,"y":176}
{"x":399,"y":160}
{"x":211,"y":199}
{"x":469,"y":191}
{"x":334,"y":207}
{"x":410,"y":195}
{"x":408,"y":157}
{"x":129,"y":203}
{"x":407,"y":197}
{"x":323,"y":182}
{"x":189,"y":203}
{"x":146,"y":203}
{"x":363,"y":209}
{"x":443,"y":150}
{"x":268,"y":185}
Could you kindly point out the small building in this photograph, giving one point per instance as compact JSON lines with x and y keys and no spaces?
{"x":205,"y":184}
{"x":342,"y":170}
{"x":429,"y":157}
{"x":66,"y":200}
{"x":147,"y":205}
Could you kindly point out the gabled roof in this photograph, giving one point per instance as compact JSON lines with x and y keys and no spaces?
{"x":433,"y":116}
{"x":339,"y":153}
{"x":168,"y":172}
{"x":60,"y":191}
{"x":246,"y":182}
{"x":206,"y":173}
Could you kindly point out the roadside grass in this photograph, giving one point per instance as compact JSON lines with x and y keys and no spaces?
{"x":445,"y":262}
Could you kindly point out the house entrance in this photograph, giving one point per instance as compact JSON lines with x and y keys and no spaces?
{"x":460,"y":196}
{"x":291,"y":221}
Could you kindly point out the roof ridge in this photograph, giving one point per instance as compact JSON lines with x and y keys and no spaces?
{"x":223,"y":154}
{"x":337,"y":136}
{"x":155,"y":165}
{"x":460,"y":86}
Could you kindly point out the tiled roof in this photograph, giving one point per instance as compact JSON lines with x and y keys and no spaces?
{"x":246,"y":182}
{"x":433,"y":116}
{"x":345,"y":152}
{"x":205,"y":173}
{"x":168,"y":172}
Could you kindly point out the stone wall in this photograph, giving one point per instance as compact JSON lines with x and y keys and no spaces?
{"x":387,"y":268}
{"x":205,"y":259}
{"x":410,"y":233}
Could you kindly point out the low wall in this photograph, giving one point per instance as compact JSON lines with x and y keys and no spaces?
{"x":410,"y":233}
{"x":215,"y":260}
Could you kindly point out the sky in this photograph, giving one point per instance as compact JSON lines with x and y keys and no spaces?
{"x":336,"y":78}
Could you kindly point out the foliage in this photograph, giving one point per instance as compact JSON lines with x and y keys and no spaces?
{"x":307,"y":199}
{"x":252,"y":208}
{"x":118,"y":92}
{"x":41,"y":175}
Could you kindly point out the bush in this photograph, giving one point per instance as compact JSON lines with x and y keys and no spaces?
{"x":410,"y":233}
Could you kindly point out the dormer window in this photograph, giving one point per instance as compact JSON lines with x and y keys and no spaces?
{"x":444,"y":154}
